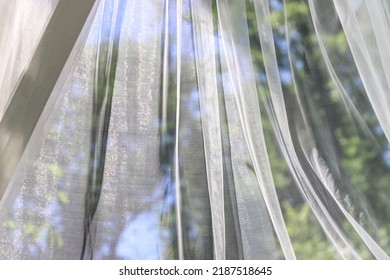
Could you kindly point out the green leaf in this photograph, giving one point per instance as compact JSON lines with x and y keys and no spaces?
{"x":55,"y":169}
{"x":63,"y":197}
{"x":11,"y":224}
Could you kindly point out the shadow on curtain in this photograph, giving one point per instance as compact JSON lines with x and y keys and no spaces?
{"x":183,"y":129}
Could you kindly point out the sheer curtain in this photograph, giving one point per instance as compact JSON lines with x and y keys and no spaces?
{"x":194,"y":129}
{"x":18,"y":39}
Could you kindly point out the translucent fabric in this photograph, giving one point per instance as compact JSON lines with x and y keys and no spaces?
{"x":19,"y":38}
{"x":195,"y":129}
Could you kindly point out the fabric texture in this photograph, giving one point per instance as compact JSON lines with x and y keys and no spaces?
{"x":194,"y":129}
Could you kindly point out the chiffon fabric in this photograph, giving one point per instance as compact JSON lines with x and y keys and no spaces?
{"x":194,"y":129}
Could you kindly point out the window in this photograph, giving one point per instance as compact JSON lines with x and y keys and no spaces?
{"x":183,"y":129}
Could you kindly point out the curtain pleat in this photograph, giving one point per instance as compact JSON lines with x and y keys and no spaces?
{"x":194,"y":129}
{"x":240,"y":82}
{"x":206,"y":71}
{"x":18,"y":40}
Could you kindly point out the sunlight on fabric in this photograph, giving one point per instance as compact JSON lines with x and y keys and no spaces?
{"x":18,"y":39}
{"x":196,"y":129}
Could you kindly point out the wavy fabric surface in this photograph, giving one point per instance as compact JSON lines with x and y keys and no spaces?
{"x":198,"y":129}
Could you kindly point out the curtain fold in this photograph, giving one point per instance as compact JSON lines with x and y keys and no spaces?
{"x":34,"y":87}
{"x":194,"y":129}
{"x":18,"y":40}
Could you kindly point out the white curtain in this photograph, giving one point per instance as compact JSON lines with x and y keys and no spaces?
{"x":18,"y":39}
{"x":194,"y":129}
